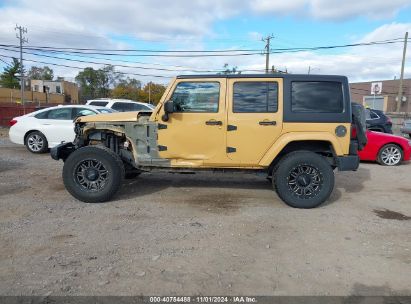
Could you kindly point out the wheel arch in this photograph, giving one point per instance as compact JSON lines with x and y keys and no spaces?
{"x":31,"y":131}
{"x":322,"y":147}
{"x":314,"y":142}
{"x":390,"y":143}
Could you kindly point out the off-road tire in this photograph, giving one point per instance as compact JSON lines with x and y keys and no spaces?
{"x":384,"y":161}
{"x":36,"y":142}
{"x":77,"y":186}
{"x":316,"y":175}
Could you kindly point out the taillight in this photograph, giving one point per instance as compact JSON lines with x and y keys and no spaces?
{"x":12,"y":122}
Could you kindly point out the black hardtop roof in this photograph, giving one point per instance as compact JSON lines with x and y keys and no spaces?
{"x":271,"y":75}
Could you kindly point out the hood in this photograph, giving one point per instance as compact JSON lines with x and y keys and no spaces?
{"x":387,"y":136}
{"x":110,"y":117}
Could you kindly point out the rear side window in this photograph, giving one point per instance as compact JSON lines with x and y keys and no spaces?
{"x":255,"y":97}
{"x":98,"y":103}
{"x":317,"y":97}
{"x":196,"y":97}
{"x":42,"y":115}
{"x":60,"y":114}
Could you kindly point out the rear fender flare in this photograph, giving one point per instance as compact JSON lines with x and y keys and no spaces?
{"x":287,"y":138}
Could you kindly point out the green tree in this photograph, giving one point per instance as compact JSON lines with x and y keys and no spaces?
{"x":129,"y":83}
{"x":8,"y":78}
{"x":42,"y":73}
{"x":152,"y":92}
{"x":97,"y":83}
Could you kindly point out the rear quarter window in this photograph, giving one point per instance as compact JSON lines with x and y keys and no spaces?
{"x":317,"y":97}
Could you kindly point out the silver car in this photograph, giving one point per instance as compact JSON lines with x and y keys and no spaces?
{"x":406,"y":127}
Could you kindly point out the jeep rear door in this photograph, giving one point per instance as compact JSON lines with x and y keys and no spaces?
{"x":254,"y":118}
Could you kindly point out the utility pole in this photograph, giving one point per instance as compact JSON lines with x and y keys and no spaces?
{"x":20,"y":32}
{"x":267,"y":52}
{"x":404,"y":52}
{"x":149,"y":92}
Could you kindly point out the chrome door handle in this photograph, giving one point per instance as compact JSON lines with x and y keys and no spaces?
{"x":214,"y":122}
{"x":267,"y":123}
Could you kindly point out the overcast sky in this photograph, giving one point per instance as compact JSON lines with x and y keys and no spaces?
{"x":215,"y":25}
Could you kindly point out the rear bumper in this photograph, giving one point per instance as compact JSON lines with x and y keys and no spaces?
{"x":348,"y":162}
{"x":62,"y":151}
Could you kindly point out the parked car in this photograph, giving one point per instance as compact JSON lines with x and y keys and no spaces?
{"x":121,"y":105}
{"x":46,"y":128}
{"x":377,"y":121}
{"x":406,"y":127}
{"x":386,"y":149}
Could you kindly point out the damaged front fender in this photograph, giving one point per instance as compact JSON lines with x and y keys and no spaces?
{"x":62,"y":151}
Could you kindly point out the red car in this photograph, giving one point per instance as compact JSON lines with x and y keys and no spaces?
{"x":386,"y":149}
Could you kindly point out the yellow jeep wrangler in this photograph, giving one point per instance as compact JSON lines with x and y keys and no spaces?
{"x":294,"y":128}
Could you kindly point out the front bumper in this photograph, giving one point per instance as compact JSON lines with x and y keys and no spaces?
{"x":348,"y":162}
{"x":62,"y":151}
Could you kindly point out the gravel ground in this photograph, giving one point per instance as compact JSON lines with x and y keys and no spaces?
{"x":209,"y":234}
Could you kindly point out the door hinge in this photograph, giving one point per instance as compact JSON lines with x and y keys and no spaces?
{"x":231,"y":150}
{"x":162,"y":148}
{"x":231,"y":128}
{"x":162,"y":126}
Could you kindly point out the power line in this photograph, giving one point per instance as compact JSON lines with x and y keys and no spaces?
{"x":129,"y":66}
{"x":82,"y":68}
{"x":196,"y":53}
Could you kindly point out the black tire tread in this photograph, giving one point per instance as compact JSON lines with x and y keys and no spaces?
{"x":275,"y":183}
{"x":117,"y":184}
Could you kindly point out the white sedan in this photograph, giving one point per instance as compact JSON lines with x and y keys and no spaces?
{"x":47,"y":128}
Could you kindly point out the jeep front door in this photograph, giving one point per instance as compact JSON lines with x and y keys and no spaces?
{"x":254,"y":118}
{"x":194,"y":134}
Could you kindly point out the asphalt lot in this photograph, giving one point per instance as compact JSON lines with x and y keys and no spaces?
{"x":209,"y":234}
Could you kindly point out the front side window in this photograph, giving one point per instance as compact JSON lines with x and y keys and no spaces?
{"x":82,"y":112}
{"x":255,"y":97}
{"x":200,"y":97}
{"x":317,"y":97}
{"x":105,"y":111}
{"x":119,"y":106}
{"x":138,"y":107}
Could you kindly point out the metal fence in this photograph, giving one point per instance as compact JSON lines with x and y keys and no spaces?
{"x":9,"y":111}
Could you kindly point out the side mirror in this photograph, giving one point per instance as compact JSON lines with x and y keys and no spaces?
{"x":168,"y":108}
